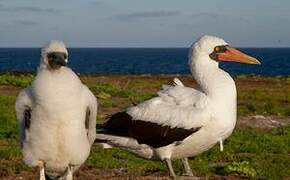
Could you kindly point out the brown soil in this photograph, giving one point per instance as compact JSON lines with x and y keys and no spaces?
{"x":87,"y":173}
{"x":262,"y":122}
{"x":9,"y":90}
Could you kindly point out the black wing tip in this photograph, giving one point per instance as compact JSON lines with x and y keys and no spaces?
{"x":196,"y":129}
{"x":116,"y":124}
{"x":117,"y":117}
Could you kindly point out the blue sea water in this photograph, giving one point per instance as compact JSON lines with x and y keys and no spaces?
{"x":275,"y":61}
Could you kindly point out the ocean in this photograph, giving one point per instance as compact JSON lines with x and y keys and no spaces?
{"x":275,"y":61}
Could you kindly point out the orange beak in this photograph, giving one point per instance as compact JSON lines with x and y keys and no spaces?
{"x":233,"y":55}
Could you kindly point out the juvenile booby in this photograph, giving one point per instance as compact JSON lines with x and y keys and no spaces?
{"x":181,"y":121}
{"x":57,"y":117}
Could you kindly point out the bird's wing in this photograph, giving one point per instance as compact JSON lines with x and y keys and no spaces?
{"x":182,"y":95}
{"x":172,"y":116}
{"x":176,"y":106}
{"x":122,"y":125}
{"x":23,"y":107}
{"x":91,"y":114}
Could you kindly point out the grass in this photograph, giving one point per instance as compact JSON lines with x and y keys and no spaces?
{"x":263,"y":102}
{"x":20,"y":80}
{"x":268,"y":96}
{"x":248,"y":152}
{"x":8,"y":125}
{"x":255,"y":94}
{"x":104,"y":90}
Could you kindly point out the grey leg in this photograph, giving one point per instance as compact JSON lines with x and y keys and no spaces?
{"x":169,"y":166}
{"x":188,"y":171}
{"x":41,"y":170}
{"x":69,"y":175}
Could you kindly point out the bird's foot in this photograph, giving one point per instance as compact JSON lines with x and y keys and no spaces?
{"x":69,"y":175}
{"x":187,"y":168}
{"x":170,"y":168}
{"x":41,"y":170}
{"x":221,"y":145}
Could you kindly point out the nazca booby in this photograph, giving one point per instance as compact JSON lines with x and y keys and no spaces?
{"x":181,"y":121}
{"x":57,"y":117}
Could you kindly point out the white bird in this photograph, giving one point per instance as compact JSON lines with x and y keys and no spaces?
{"x":57,"y":117}
{"x":181,"y":121}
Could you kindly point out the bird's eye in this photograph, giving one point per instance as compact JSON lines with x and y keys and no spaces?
{"x":65,"y":56}
{"x":217,"y":49}
{"x":220,"y":49}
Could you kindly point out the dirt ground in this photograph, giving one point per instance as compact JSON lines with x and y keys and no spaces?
{"x":86,"y":173}
{"x":89,"y":173}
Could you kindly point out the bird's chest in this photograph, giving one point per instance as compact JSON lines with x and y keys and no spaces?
{"x":224,"y":115}
{"x":56,"y":91}
{"x":57,"y":98}
{"x":57,"y":101}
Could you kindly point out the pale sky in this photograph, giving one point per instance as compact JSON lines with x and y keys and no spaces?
{"x":143,"y":23}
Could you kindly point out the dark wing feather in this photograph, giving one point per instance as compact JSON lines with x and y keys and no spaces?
{"x":27,"y":118}
{"x":152,"y":134}
{"x":87,"y":120}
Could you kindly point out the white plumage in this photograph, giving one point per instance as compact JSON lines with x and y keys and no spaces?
{"x":204,"y":116}
{"x":57,"y":116}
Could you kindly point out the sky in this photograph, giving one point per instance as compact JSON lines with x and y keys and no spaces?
{"x":144,"y":23}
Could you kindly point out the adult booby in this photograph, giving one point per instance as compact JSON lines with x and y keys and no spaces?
{"x":181,"y":121}
{"x":57,"y":117}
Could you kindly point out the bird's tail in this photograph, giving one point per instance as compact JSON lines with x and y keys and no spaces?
{"x":103,"y":142}
{"x":114,"y":126}
{"x":125,"y":143}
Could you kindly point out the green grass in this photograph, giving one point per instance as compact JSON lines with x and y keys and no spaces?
{"x":20,"y":80}
{"x":263,"y":95}
{"x":263,"y":102}
{"x":249,"y":152}
{"x":8,"y":123}
{"x":104,"y":90}
{"x":272,"y":98}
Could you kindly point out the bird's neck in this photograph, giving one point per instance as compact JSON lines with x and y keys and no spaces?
{"x":213,"y":81}
{"x":220,"y":90}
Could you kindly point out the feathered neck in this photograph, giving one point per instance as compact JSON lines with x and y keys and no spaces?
{"x":212,"y":80}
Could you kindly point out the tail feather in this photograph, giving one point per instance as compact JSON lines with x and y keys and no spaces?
{"x":126,"y":143}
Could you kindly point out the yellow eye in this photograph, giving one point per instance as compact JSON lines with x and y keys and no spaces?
{"x":217,"y":49}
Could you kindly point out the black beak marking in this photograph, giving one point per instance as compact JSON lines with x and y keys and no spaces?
{"x":57,"y":59}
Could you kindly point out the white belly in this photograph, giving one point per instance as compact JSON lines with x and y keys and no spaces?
{"x":57,"y":133}
{"x":58,"y":139}
{"x":197,"y":143}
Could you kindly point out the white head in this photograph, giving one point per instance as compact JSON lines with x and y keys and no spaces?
{"x":54,"y":55}
{"x":209,"y":50}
